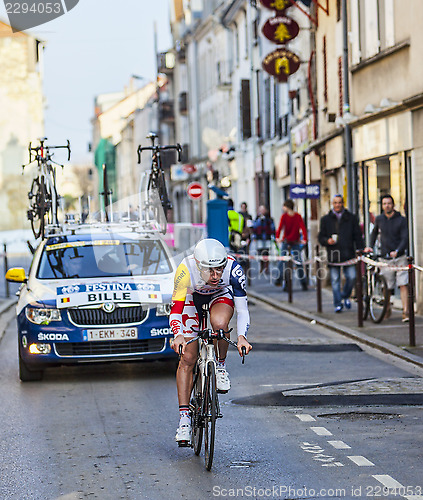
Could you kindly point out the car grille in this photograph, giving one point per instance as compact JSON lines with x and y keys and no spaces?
{"x":98,"y":317}
{"x":107,"y":348}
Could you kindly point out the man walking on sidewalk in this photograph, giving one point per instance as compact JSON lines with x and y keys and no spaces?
{"x":291,"y":225}
{"x":340,"y":234}
{"x":392,"y":227}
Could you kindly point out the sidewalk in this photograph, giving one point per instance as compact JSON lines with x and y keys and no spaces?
{"x":391,"y":336}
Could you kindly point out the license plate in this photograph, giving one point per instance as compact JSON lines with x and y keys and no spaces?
{"x":109,"y":334}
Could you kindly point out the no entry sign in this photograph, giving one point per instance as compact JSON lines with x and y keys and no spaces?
{"x":195,"y":190}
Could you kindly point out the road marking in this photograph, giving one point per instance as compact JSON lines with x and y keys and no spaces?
{"x":306,"y":418}
{"x":361,"y":461}
{"x":392,"y":484}
{"x":339,"y":445}
{"x":321,"y":431}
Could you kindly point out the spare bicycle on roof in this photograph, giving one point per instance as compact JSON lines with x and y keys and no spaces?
{"x":43,"y":197}
{"x":155,"y":201}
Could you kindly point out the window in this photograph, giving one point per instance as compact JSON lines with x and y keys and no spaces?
{"x":372,"y":28}
{"x":245,"y":109}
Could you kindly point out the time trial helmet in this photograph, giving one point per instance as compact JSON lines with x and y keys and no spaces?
{"x":210,"y":253}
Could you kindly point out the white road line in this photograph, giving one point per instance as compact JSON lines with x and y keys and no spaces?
{"x":392,"y":484}
{"x":306,"y":418}
{"x":339,"y":445}
{"x":361,"y":461}
{"x":388,"y":481}
{"x":321,"y":431}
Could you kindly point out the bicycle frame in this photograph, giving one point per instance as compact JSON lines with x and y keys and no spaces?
{"x":156,"y":202}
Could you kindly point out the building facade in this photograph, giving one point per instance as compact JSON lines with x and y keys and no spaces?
{"x":21,"y":121}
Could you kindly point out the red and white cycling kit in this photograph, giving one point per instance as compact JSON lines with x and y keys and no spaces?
{"x":188,"y":284}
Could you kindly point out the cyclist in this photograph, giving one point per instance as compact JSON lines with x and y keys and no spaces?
{"x":210,"y":276}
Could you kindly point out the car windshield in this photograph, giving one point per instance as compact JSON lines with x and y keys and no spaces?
{"x":102,"y":258}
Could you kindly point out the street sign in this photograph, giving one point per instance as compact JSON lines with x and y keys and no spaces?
{"x":304,"y":191}
{"x":280,"y":29}
{"x":281,"y":63}
{"x":195,"y":190}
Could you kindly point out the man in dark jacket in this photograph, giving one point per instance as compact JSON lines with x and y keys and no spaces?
{"x":393,"y":231}
{"x":340,"y":234}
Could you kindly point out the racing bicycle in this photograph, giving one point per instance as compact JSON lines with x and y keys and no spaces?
{"x":376,"y":295}
{"x":204,"y":405}
{"x":43,"y":197}
{"x":156,"y":201}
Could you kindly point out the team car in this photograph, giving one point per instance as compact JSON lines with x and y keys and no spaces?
{"x":100,"y":293}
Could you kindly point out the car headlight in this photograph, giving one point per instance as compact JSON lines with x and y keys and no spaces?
{"x":41,"y":316}
{"x":163,"y":309}
{"x":40,"y":348}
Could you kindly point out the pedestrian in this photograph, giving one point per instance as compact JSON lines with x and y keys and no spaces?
{"x":236,"y":227}
{"x":393,"y":231}
{"x":264,"y":232}
{"x":246,"y":237}
{"x":244,"y":211}
{"x":340,"y":234}
{"x":291,"y":225}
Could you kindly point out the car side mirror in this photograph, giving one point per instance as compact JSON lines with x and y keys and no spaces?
{"x":16,"y":275}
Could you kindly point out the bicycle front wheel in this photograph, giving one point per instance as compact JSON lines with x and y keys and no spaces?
{"x":37,"y":210}
{"x":379,"y":299}
{"x":366,"y":297}
{"x":196,"y":415}
{"x":210,"y":412}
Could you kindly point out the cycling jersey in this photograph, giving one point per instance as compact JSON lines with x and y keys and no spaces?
{"x":188,"y":281}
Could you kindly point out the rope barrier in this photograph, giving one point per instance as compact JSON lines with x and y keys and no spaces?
{"x":351,"y":262}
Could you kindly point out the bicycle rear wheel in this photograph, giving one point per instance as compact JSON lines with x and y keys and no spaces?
{"x":196,"y":415}
{"x":379,"y":299}
{"x":37,"y":210}
{"x":210,"y":414}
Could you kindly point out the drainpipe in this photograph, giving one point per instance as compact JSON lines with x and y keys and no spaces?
{"x":352,"y":200}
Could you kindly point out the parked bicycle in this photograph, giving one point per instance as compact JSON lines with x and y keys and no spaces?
{"x":204,"y":405}
{"x":156,"y":203}
{"x":43,"y":198}
{"x":376,"y":295}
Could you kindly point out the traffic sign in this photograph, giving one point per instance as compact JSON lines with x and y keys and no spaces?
{"x":195,"y":190}
{"x":304,"y":191}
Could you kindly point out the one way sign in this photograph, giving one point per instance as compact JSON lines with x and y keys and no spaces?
{"x":304,"y":191}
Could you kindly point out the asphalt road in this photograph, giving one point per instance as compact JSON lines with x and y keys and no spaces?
{"x":290,"y":428}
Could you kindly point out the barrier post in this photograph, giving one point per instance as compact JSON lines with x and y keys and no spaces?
{"x":359,"y":288}
{"x":318,"y":281}
{"x":5,"y":269}
{"x":411,"y":323}
{"x":288,"y":278}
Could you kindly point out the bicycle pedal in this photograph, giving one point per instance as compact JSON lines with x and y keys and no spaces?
{"x":219,"y":391}
{"x":184,"y":444}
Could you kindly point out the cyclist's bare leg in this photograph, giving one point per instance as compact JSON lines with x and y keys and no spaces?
{"x":220,"y":315}
{"x":184,"y":373}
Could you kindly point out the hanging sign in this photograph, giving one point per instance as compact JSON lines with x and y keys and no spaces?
{"x":278,"y":5}
{"x":281,"y":63}
{"x":280,"y":29}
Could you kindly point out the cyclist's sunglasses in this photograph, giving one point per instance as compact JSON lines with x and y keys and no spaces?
{"x":219,"y":269}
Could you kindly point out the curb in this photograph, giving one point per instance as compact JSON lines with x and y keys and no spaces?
{"x":343,"y":330}
{"x":4,"y":307}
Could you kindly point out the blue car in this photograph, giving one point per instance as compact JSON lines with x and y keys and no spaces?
{"x":95,"y":294}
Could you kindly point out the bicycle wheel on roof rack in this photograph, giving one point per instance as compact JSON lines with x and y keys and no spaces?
{"x":37,"y":207}
{"x":154,"y":211}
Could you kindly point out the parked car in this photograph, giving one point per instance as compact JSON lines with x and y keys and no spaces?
{"x":95,"y":293}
